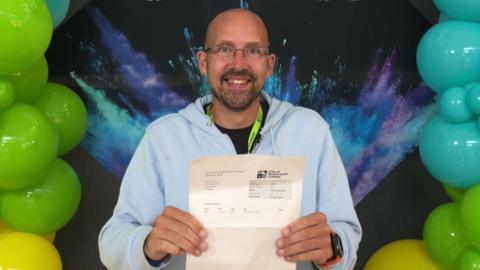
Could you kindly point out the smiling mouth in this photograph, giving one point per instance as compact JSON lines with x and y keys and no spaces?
{"x":237,"y":82}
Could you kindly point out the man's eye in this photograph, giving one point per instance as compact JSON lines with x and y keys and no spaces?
{"x":253,"y":51}
{"x":224,"y":49}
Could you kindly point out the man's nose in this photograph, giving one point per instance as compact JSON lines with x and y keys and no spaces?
{"x":238,"y":59}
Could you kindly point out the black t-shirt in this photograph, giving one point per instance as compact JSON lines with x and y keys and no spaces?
{"x":240,"y":136}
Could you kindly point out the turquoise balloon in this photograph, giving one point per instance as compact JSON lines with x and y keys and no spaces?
{"x":470,"y":260}
{"x":466,"y":10}
{"x":443,"y":18}
{"x":7,"y":94}
{"x":30,"y":82}
{"x":45,"y":206}
{"x":470,"y":215}
{"x":453,"y":105}
{"x":444,"y":236}
{"x":28,"y":145}
{"x":25,"y":33}
{"x":448,"y":55}
{"x":451,"y":152}
{"x":58,"y":10}
{"x":67,"y":112}
{"x":473,"y":97}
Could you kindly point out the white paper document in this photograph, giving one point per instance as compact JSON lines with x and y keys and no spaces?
{"x":244,"y":201}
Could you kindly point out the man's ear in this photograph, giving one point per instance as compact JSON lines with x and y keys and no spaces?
{"x":271,"y":59}
{"x":202,"y":62}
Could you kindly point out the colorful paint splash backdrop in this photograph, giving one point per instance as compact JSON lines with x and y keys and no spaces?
{"x":373,"y":132}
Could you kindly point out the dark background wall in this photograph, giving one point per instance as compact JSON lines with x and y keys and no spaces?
{"x":395,"y":210}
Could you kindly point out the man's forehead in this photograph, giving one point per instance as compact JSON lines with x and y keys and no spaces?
{"x":237,"y":25}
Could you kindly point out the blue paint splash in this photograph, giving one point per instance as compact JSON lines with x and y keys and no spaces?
{"x":373,"y":133}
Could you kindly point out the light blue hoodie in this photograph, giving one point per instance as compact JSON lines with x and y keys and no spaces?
{"x":157,"y":176}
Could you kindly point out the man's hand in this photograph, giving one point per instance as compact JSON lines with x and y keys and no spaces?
{"x":306,"y":239}
{"x":175,"y":232}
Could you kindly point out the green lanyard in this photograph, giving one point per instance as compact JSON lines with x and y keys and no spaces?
{"x":255,"y":128}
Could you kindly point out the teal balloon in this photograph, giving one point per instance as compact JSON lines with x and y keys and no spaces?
{"x":58,"y":10}
{"x":443,"y":18}
{"x":453,"y":105}
{"x":25,"y":33}
{"x":470,"y":215}
{"x":448,"y":55}
{"x":444,"y":236}
{"x":451,"y":152}
{"x":470,"y":260}
{"x":7,"y":94}
{"x":28,"y":145}
{"x":45,"y":206}
{"x":473,"y":97}
{"x":67,"y":112}
{"x":466,"y":10}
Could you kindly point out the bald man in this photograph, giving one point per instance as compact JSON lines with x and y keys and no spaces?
{"x":151,"y":227}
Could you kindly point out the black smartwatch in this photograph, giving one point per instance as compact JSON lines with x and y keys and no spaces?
{"x":337,"y":247}
{"x":336,"y":244}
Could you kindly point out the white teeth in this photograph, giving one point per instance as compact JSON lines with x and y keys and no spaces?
{"x":238,"y":81}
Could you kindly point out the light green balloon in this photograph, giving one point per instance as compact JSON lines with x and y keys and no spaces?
{"x":444,"y":236}
{"x":470,"y":214}
{"x":28,"y":144}
{"x":67,"y":112}
{"x":45,"y":206}
{"x":26,"y":30}
{"x":456,"y":194}
{"x":30,"y":82}
{"x":470,"y":260}
{"x":7,"y":94}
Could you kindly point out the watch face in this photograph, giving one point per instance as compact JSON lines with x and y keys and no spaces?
{"x":337,"y":245}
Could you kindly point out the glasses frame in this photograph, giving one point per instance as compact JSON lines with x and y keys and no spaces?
{"x":244,"y":54}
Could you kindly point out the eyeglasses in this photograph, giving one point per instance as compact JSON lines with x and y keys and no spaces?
{"x":228,"y":52}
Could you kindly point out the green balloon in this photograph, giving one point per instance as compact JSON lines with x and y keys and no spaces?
{"x":7,"y":94}
{"x":45,"y":206}
{"x":30,"y":82}
{"x":470,"y":214}
{"x":67,"y":112}
{"x":26,"y":30}
{"x":470,"y":260}
{"x":444,"y":236}
{"x":456,"y":194}
{"x":28,"y":144}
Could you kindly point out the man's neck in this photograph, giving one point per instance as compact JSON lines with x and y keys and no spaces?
{"x":229,"y":119}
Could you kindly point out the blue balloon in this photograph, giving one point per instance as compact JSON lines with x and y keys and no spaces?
{"x":451,"y":152}
{"x":58,"y":10}
{"x":466,"y":10}
{"x":473,"y":97}
{"x":448,"y":55}
{"x":453,"y":105}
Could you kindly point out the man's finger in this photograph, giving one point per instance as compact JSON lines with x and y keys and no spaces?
{"x":305,"y":246}
{"x":305,"y":234}
{"x":187,"y":219}
{"x":167,"y":226}
{"x":318,"y":255}
{"x":304,"y":222}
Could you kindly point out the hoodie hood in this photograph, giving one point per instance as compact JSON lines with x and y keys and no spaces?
{"x":195,"y":114}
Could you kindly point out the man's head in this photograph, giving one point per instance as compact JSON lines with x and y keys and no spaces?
{"x":236,"y":58}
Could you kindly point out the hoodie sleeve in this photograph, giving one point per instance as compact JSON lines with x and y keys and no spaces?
{"x":140,"y":200}
{"x":336,"y":202}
